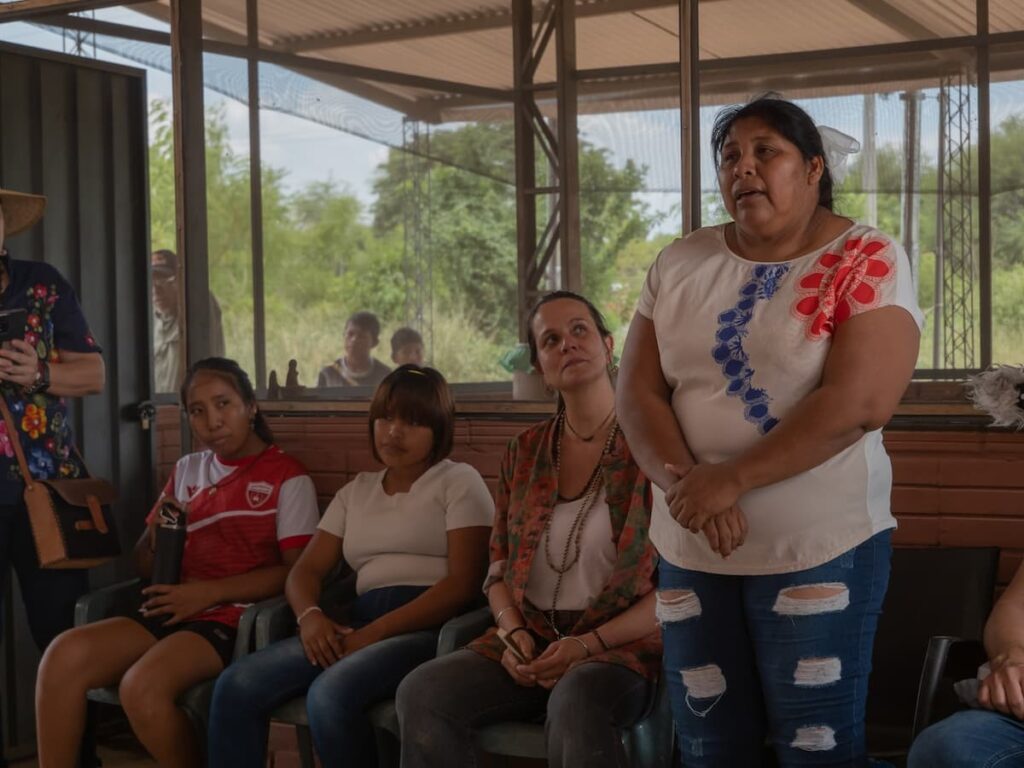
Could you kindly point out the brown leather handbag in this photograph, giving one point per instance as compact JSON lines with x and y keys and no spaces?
{"x":72,"y":522}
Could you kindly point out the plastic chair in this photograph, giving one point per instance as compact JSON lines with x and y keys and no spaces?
{"x":648,"y":743}
{"x":948,"y":660}
{"x":944,"y":591}
{"x":124,"y":598}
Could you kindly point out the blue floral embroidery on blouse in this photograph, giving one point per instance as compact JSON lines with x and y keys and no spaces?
{"x":728,"y":350}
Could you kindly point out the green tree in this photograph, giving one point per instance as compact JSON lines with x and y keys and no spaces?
{"x":472,"y":219}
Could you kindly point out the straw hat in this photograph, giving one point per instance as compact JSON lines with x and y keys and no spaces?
{"x":21,"y":210}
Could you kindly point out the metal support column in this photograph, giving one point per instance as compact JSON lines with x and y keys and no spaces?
{"x":256,"y":197}
{"x":689,"y":112}
{"x":912,"y":177}
{"x":984,"y":189}
{"x":190,"y":170}
{"x":568,"y":147}
{"x":560,"y":147}
{"x":957,"y":233}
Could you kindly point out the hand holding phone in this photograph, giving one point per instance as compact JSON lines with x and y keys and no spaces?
{"x":510,"y":644}
{"x":12,"y":324}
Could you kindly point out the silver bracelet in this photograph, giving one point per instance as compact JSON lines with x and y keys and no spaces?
{"x":581,"y":642}
{"x":306,"y":612}
{"x":497,"y":619}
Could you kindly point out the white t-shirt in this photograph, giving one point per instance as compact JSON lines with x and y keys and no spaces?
{"x":588,"y":577}
{"x":741,"y":343}
{"x":402,"y":539}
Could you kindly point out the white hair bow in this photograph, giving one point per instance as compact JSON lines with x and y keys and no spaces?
{"x":838,"y":146}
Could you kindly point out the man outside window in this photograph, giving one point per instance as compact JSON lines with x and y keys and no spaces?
{"x":169,"y":323}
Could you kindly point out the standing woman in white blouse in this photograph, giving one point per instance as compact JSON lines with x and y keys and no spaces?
{"x":765,"y":357}
{"x":416,"y":535}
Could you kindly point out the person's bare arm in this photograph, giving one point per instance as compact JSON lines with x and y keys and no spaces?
{"x":180,"y":601}
{"x":1003,"y":689}
{"x":74,"y":374}
{"x":643,"y":403}
{"x":866,"y":373}
{"x":633,"y":623}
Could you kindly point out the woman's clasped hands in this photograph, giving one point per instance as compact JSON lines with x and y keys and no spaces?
{"x":546,"y":669}
{"x":705,"y":498}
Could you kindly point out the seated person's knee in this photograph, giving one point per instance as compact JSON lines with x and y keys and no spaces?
{"x":65,"y":658}
{"x":141,"y":696}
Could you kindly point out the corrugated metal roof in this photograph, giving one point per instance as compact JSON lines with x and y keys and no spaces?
{"x":470,"y":41}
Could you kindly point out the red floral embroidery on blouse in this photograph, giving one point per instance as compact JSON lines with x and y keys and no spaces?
{"x":843,"y":285}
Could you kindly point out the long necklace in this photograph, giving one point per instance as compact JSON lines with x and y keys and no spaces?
{"x":573,"y":541}
{"x":592,"y":435}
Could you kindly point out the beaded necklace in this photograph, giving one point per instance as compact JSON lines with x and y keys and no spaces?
{"x":573,"y":541}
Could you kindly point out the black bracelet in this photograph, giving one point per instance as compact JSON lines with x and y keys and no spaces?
{"x":512,"y":631}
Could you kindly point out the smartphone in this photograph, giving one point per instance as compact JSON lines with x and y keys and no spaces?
{"x":12,"y":324}
{"x":512,"y":647}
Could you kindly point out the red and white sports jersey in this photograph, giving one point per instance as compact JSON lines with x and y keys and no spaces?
{"x":241,"y":516}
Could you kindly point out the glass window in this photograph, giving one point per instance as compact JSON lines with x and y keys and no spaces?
{"x":915,"y":177}
{"x":367,"y":213}
{"x":1007,"y":109}
{"x":630,"y":192}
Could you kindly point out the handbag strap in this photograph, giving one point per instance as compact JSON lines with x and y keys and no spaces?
{"x":12,"y":434}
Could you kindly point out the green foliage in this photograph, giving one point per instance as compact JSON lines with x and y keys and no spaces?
{"x":323,"y":261}
{"x":472,"y":219}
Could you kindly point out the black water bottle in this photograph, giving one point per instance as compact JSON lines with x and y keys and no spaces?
{"x":170,"y":544}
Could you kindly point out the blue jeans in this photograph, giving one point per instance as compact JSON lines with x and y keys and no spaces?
{"x":745,"y":658}
{"x":336,"y":698}
{"x":975,"y":738}
{"x":49,"y":594}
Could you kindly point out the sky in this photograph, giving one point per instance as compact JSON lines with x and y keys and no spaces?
{"x":309,"y":151}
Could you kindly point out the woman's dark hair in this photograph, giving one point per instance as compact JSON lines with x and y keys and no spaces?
{"x":547,"y":298}
{"x":787,"y":119}
{"x":416,"y":395}
{"x":239,"y":379}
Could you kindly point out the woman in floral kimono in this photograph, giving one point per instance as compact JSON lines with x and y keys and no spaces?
{"x":570,"y":583}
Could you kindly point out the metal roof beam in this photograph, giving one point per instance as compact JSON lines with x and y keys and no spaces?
{"x":291,"y":61}
{"x":895,"y":19}
{"x":446,"y":25}
{"x":26,"y":10}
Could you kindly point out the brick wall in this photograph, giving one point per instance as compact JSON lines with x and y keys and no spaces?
{"x":952,"y":488}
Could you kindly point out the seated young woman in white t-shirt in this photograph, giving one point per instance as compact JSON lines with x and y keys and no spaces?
{"x":416,"y":535}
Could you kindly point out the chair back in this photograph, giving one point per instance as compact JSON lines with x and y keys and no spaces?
{"x":940,"y":591}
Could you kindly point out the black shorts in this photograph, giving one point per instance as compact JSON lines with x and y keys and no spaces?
{"x":221,"y":636}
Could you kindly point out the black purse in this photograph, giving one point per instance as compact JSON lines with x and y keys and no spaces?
{"x":72,"y":521}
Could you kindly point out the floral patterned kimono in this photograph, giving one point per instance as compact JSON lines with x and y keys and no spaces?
{"x":527,"y":494}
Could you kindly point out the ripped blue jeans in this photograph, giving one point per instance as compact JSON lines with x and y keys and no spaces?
{"x":783,"y":656}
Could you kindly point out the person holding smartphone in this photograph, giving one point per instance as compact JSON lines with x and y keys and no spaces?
{"x":46,"y":354}
{"x":571,"y":577}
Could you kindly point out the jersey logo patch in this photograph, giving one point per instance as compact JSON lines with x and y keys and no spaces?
{"x":257,"y":493}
